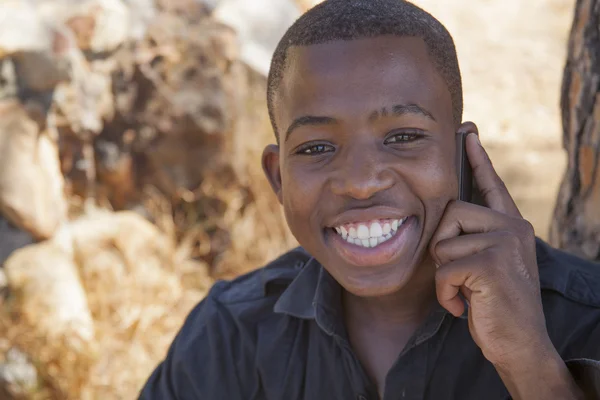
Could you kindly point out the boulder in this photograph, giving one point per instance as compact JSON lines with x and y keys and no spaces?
{"x":31,"y":183}
{"x":259,"y":24}
{"x":44,"y":281}
{"x":22,"y":29}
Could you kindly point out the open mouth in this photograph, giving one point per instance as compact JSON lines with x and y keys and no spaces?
{"x":374,"y":242}
{"x":370,"y":234}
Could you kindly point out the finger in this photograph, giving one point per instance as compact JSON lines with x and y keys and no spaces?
{"x":448,"y":250}
{"x":457,"y":277}
{"x":449,"y":280}
{"x":461,"y":217}
{"x":490,"y":185}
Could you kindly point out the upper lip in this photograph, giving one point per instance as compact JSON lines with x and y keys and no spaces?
{"x":365,"y":215}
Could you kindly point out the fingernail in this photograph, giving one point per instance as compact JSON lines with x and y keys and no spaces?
{"x":476,"y":137}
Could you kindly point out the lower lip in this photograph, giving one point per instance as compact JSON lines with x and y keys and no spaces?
{"x":373,"y":256}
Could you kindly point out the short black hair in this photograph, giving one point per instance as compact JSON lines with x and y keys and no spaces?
{"x":334,"y":20}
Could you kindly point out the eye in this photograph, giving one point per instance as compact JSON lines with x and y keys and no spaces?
{"x":404,"y":137}
{"x":314,"y":149}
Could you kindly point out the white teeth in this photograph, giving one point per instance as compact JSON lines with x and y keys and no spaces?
{"x":386,"y":228}
{"x":363,"y":232}
{"x":365,"y":236}
{"x":375,"y":230}
{"x":352,"y":233}
{"x":344,"y":232}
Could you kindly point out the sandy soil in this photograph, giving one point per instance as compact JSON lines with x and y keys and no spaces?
{"x":512,"y":55}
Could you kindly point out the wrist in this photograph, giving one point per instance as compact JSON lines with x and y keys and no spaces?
{"x":540,"y":374}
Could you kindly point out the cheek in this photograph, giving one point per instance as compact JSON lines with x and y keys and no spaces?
{"x":435,"y":179}
{"x":300,"y":192}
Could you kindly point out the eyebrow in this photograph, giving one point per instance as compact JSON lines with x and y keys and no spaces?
{"x":309,"y":120}
{"x":396,"y":110}
{"x":399,"y":110}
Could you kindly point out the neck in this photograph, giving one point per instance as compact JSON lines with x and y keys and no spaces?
{"x":404,"y":309}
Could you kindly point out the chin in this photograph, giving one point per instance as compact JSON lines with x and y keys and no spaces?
{"x":375,"y":282}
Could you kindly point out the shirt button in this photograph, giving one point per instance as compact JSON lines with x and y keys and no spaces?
{"x":361,"y":397}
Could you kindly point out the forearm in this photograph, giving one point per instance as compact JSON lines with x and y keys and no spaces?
{"x":545,"y":377}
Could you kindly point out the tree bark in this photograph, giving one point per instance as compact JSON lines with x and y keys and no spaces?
{"x":576,"y":223}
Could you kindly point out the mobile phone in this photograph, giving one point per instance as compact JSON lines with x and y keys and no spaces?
{"x":463,"y":168}
{"x":467,"y":187}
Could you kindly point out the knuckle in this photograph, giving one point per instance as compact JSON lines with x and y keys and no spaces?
{"x":526,"y":228}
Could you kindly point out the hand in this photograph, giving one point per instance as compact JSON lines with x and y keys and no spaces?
{"x":489,"y":256}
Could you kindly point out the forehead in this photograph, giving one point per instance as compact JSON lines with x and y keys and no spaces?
{"x":352,"y":77}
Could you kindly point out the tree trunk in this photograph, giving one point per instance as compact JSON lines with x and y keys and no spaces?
{"x":576,"y":223}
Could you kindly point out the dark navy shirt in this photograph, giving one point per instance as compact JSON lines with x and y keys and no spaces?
{"x":277,"y":333}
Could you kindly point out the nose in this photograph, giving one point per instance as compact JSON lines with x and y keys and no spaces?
{"x":362,"y":175}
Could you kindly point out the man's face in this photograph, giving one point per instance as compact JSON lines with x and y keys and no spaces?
{"x":366,"y":161}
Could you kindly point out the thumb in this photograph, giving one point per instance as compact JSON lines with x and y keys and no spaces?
{"x":490,"y":185}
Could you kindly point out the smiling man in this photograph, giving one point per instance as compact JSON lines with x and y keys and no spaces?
{"x":399,"y":290}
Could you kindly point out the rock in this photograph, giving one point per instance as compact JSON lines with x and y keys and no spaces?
{"x":31,"y":183}
{"x":141,"y":13}
{"x":36,"y":47}
{"x":49,"y":294}
{"x":22,"y":29}
{"x":100,"y":25}
{"x":260,"y":24}
{"x":125,"y":231}
{"x":18,"y":376}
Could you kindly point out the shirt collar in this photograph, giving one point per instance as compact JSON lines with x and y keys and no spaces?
{"x":314,"y":294}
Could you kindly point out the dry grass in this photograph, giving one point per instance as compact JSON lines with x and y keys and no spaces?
{"x":138,"y":292}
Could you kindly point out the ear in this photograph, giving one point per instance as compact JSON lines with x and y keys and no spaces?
{"x":270,"y":164}
{"x":468,"y":127}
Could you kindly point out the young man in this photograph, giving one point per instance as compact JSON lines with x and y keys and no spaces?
{"x":399,"y":290}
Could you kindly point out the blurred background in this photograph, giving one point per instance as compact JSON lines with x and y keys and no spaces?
{"x":130,"y":177}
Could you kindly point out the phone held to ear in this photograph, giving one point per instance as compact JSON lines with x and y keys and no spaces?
{"x":467,"y":189}
{"x":465,"y":173}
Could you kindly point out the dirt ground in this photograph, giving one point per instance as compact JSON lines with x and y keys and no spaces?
{"x":512,"y":55}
